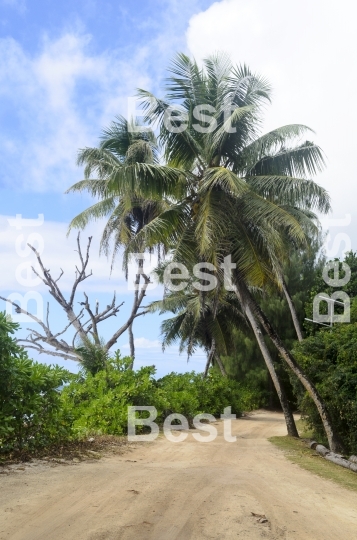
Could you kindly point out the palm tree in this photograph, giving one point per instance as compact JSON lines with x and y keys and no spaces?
{"x":210,"y":323}
{"x":245,"y":193}
{"x":120,"y":149}
{"x":227,"y":189}
{"x":200,"y":320}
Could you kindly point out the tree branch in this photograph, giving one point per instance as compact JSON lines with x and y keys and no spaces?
{"x":36,"y":339}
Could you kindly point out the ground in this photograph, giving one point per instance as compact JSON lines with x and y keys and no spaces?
{"x":190,"y":490}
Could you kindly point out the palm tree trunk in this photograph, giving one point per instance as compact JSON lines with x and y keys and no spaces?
{"x":132,"y":346}
{"x":289,"y":418}
{"x":292,"y":310}
{"x":332,"y":436}
{"x":210,"y":357}
{"x":220,"y":364}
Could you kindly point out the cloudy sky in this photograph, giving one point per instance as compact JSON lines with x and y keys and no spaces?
{"x":66,"y":69}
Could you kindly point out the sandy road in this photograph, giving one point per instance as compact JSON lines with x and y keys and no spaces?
{"x":189,"y":490}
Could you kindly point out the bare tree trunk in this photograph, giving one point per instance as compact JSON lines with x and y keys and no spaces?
{"x":220,"y":364}
{"x":136,"y":305}
{"x":292,"y":311}
{"x":332,"y":435}
{"x":132,"y":346}
{"x":289,"y":418}
{"x":139,"y":295}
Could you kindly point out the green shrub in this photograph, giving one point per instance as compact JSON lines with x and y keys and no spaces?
{"x":99,"y":402}
{"x":31,"y":411}
{"x":34,"y":413}
{"x":330,"y":360}
{"x":191,"y":394}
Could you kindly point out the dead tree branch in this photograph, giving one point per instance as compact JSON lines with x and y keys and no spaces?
{"x":47,"y":342}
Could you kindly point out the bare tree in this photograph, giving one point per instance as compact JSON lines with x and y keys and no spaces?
{"x":86,"y":321}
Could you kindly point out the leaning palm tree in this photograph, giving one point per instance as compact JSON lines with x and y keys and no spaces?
{"x":209,"y":319}
{"x":228,"y":189}
{"x":245,"y":193}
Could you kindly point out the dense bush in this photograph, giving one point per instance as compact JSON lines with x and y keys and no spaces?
{"x":99,"y":402}
{"x":320,"y":286}
{"x":31,"y":411}
{"x":191,"y":394}
{"x":43,"y":405}
{"x":330,"y":360}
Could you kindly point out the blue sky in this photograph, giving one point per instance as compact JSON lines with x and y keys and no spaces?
{"x":66,"y":69}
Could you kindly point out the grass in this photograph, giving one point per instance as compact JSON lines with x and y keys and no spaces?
{"x":298,"y":452}
{"x":304,"y":431}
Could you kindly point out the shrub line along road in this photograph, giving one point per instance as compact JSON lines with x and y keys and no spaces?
{"x":190,"y":490}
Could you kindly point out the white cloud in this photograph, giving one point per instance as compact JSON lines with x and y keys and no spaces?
{"x":307,"y":51}
{"x":58,"y":252}
{"x":57,"y":101}
{"x":59,"y":98}
{"x":144,"y":343}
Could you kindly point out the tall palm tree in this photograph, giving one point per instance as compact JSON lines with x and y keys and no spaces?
{"x":228,"y":189}
{"x":245,"y":193}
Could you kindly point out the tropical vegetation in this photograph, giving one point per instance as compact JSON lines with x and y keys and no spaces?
{"x":43,"y":406}
{"x":198,"y":183}
{"x":31,"y":411}
{"x":225,"y":190}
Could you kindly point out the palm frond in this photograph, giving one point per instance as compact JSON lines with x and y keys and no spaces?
{"x":285,"y":190}
{"x":96,"y":211}
{"x":302,"y":161}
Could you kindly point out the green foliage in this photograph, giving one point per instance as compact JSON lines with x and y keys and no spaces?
{"x":245,"y":363}
{"x":35,"y":413}
{"x":100,"y":402}
{"x":330,"y":359}
{"x":31,"y":414}
{"x":94,"y":356}
{"x":320,"y":286}
{"x":191,"y":394}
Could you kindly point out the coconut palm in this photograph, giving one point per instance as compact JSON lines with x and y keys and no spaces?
{"x":228,"y":189}
{"x":245,"y":193}
{"x":121,"y":149}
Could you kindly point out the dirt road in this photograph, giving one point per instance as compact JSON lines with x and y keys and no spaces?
{"x":189,"y":490}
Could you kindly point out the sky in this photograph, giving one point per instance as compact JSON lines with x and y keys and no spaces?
{"x":66,"y":70}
